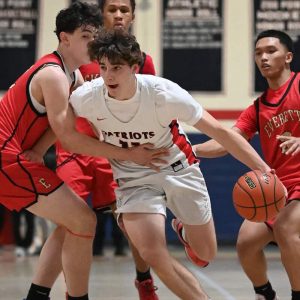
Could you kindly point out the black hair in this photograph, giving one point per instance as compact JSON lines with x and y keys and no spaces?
{"x":76,"y":15}
{"x":283,"y":37}
{"x":103,"y":2}
{"x":118,"y":46}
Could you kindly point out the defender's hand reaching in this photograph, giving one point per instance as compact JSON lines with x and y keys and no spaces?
{"x":145,"y":155}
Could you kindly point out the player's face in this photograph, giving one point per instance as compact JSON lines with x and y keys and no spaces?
{"x":119,"y":79}
{"x":117,"y":14}
{"x":271,"y":57}
{"x":77,"y":43}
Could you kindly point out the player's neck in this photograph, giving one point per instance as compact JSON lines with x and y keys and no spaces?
{"x":68,"y":61}
{"x":129,"y":91}
{"x":132,"y":86}
{"x":276,"y":82}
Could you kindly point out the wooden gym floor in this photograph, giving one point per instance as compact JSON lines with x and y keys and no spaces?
{"x":112,"y":277}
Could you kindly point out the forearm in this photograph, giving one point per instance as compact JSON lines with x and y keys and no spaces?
{"x":209,"y":149}
{"x":86,"y":145}
{"x":238,"y":147}
{"x":45,"y":142}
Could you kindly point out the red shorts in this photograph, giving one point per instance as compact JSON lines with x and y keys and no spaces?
{"x":88,"y":175}
{"x":293,"y":195}
{"x":22,"y":182}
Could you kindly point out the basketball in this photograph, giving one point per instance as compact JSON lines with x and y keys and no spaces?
{"x":258,"y":196}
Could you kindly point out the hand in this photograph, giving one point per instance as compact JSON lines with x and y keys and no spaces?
{"x":289,"y":145}
{"x":33,"y":156}
{"x":145,"y":155}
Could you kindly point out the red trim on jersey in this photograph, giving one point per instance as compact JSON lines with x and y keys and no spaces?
{"x":182,"y":143}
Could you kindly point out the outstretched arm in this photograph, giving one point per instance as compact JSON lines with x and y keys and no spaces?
{"x":212,"y":149}
{"x":233,"y":142}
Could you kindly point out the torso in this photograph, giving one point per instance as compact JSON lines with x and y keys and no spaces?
{"x":23,"y":122}
{"x":280,"y":116}
{"x":144,"y":127}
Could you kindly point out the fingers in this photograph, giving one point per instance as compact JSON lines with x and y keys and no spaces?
{"x":158,"y":151}
{"x":290,"y":146}
{"x":147,"y":146}
{"x":286,"y":193}
{"x":159,"y":161}
{"x":153,"y":167}
{"x":293,"y":149}
{"x":283,"y":137}
{"x":159,"y":154}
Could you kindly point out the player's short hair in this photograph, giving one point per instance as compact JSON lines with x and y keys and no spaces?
{"x":103,"y":2}
{"x":76,"y":15}
{"x":118,"y":46}
{"x":283,"y":37}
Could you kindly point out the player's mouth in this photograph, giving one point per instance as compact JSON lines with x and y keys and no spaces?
{"x":265,"y":66}
{"x":113,"y":86}
{"x":119,"y":25}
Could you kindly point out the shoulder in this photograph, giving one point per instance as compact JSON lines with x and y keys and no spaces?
{"x":51,"y":74}
{"x":155,"y":81}
{"x":88,"y":88}
{"x":168,"y":87}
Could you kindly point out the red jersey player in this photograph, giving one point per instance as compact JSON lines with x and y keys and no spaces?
{"x":39,"y":98}
{"x":275,"y":115}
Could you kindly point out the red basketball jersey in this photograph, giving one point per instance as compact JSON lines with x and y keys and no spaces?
{"x":276,"y":113}
{"x":21,"y":124}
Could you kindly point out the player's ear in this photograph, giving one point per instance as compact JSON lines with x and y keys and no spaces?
{"x":135,"y":68}
{"x":64,"y":38}
{"x":289,"y":57}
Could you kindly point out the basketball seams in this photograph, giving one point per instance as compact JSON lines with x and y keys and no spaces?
{"x":255,"y":196}
{"x":275,"y":200}
{"x":262,"y":192}
{"x":250,"y":196}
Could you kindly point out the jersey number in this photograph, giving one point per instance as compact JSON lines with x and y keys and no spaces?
{"x":128,"y":144}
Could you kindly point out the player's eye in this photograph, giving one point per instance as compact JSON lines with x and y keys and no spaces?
{"x":124,"y":10}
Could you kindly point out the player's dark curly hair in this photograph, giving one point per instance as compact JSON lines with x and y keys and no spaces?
{"x":103,"y":2}
{"x":118,"y":46}
{"x":76,"y":15}
{"x":284,"y":38}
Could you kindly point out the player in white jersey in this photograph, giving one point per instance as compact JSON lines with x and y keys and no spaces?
{"x":129,"y":109}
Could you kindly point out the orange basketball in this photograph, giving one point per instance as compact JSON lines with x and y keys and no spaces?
{"x":258,"y":196}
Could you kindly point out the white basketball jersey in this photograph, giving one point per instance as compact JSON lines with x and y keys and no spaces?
{"x":145,"y":126}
